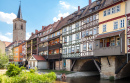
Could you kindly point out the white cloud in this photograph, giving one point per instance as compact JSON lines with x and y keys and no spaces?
{"x":5,"y":38}
{"x":64,"y":5}
{"x":7,"y":17}
{"x":28,"y":34}
{"x":9,"y":34}
{"x":60,"y":15}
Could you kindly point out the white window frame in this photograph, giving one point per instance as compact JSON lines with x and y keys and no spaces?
{"x":122,"y":22}
{"x":113,"y":10}
{"x":119,"y":8}
{"x":84,"y":47}
{"x":108,"y":11}
{"x":77,"y":36}
{"x":104,"y":27}
{"x":105,"y":13}
{"x":115,"y":25}
{"x":95,"y":31}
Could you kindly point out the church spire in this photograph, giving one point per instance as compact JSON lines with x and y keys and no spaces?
{"x":19,"y":15}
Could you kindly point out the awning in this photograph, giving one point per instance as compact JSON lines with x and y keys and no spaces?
{"x":110,"y":34}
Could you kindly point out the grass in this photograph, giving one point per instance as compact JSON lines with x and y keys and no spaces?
{"x":57,"y":71}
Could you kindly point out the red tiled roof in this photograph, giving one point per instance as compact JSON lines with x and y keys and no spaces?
{"x":39,"y":58}
{"x":109,"y":34}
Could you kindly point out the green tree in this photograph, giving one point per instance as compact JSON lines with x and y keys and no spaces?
{"x":3,"y":60}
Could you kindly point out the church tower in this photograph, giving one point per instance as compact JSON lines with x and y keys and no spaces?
{"x":19,"y":27}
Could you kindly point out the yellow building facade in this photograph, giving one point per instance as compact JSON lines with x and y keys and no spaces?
{"x":114,"y":17}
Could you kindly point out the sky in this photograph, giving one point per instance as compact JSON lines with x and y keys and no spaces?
{"x":37,"y":13}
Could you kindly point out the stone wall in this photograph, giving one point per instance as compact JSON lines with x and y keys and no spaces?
{"x":109,"y":70}
{"x":57,"y":65}
{"x":106,"y":69}
{"x":68,"y":64}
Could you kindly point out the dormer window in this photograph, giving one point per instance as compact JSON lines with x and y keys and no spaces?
{"x":96,"y":7}
{"x":90,"y":10}
{"x":98,"y":2}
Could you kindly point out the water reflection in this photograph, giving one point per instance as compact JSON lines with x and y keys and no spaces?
{"x":93,"y":79}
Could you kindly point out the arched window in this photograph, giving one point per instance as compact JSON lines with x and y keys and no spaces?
{"x":22,"y":26}
{"x":15,"y":26}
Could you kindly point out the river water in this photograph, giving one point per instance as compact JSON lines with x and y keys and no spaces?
{"x":91,"y":79}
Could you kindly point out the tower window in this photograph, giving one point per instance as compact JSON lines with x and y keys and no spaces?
{"x":22,"y":27}
{"x":15,"y":25}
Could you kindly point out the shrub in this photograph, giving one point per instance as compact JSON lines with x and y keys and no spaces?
{"x":32,"y":70}
{"x":111,"y":78}
{"x":13,"y":70}
{"x":27,"y":77}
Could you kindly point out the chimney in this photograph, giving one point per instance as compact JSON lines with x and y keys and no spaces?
{"x":90,"y":1}
{"x":78,"y":8}
{"x":32,"y":33}
{"x":36,"y":31}
{"x":61,"y":18}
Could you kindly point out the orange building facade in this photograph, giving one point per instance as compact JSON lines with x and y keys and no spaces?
{"x":18,"y":57}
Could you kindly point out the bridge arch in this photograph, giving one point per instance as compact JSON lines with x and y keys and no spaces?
{"x":86,"y":65}
{"x":125,"y":71}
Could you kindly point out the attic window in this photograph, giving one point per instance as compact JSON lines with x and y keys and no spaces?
{"x":96,"y":7}
{"x":69,"y":21}
{"x":82,"y":11}
{"x":90,"y":10}
{"x":98,"y":2}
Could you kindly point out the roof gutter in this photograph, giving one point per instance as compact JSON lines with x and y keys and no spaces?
{"x":126,"y":32}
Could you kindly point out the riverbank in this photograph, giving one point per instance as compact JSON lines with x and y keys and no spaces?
{"x":70,"y":73}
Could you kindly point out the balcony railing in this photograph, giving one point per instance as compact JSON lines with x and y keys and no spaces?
{"x":55,"y":56}
{"x":53,"y":38}
{"x":42,"y":49}
{"x":58,"y":45}
{"x":105,"y":51}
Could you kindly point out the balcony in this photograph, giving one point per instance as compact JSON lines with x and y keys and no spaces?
{"x":42,"y":49}
{"x":110,"y":44}
{"x":35,"y":43}
{"x":108,"y":51}
{"x":58,"y":45}
{"x":55,"y":56}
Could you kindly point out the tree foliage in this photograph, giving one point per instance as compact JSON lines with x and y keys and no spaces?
{"x":3,"y":60}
